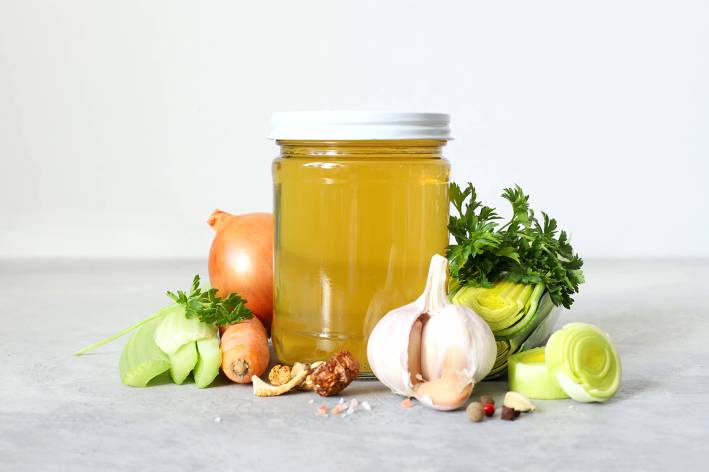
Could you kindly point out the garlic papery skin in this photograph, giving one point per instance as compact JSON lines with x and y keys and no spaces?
{"x":431,"y":349}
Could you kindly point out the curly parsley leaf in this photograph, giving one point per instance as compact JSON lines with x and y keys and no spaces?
{"x":522,"y":250}
{"x":209,"y":307}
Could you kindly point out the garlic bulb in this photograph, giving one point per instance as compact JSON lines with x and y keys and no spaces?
{"x":431,"y":349}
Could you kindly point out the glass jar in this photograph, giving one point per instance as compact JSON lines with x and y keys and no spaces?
{"x":361,"y":205}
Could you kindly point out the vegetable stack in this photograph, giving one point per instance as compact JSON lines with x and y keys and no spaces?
{"x":181,"y":338}
{"x":512,"y":274}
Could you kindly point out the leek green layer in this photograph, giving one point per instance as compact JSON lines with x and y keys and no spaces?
{"x":584,"y":361}
{"x":527,"y":373}
{"x":515,"y":312}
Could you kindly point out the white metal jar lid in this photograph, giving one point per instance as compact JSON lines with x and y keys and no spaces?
{"x":359,"y":125}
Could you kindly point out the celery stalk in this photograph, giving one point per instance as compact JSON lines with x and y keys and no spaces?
{"x":141,"y":359}
{"x":182,"y":362}
{"x":208,"y":363}
{"x":175,"y":330}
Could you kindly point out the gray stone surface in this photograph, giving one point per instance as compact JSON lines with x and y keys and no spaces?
{"x":59,"y":412}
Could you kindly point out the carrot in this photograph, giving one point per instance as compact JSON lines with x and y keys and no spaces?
{"x":244,"y":350}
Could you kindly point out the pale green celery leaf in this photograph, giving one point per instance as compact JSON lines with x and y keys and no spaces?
{"x":183,"y":361}
{"x":176,"y":329}
{"x":208,"y":363}
{"x":141,"y":359}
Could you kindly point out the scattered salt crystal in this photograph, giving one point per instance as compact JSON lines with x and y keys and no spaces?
{"x":407,"y":403}
{"x":349,"y":411}
{"x":342,"y":400}
{"x":322,"y":411}
{"x":366,"y":406}
{"x":217,"y":419}
{"x":339,"y":408}
{"x":354,"y":403}
{"x":311,"y":401}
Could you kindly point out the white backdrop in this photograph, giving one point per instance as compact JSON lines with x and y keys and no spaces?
{"x":123,"y":124}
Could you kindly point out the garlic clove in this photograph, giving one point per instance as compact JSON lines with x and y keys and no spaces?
{"x":414,"y":350}
{"x":452,"y":388}
{"x":431,"y":349}
{"x":453,"y":327}
{"x":389,"y":346}
{"x":448,"y":392}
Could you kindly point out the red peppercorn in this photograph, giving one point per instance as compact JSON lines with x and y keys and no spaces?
{"x":489,"y":409}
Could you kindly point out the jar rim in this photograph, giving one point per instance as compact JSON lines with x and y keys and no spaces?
{"x":359,"y":125}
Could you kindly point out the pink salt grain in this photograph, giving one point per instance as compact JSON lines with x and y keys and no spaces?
{"x":322,"y":411}
{"x":407,"y":403}
{"x":339,"y":408}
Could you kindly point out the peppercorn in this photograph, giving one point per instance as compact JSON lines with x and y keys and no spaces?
{"x":489,"y":409}
{"x":475,"y":412}
{"x":508,"y":413}
{"x":485,"y":399}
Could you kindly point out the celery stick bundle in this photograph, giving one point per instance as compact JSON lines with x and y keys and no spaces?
{"x":181,"y":338}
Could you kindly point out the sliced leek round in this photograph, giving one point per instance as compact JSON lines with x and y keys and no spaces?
{"x":584,"y":362}
{"x":527,"y":373}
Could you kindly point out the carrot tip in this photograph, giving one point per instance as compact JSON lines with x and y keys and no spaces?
{"x":240,"y":367}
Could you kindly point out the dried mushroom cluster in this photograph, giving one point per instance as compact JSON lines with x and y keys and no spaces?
{"x":325,"y":378}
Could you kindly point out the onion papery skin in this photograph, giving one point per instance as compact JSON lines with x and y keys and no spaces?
{"x":584,"y":361}
{"x":241,"y":260}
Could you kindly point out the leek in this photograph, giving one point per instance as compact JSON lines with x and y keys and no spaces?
{"x":528,"y":374}
{"x":512,"y":273}
{"x":514,"y":313}
{"x":584,"y":361}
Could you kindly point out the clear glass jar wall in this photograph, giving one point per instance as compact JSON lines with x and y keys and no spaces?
{"x":356,"y":225}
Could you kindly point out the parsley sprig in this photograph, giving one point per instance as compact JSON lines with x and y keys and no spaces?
{"x":522,"y":250}
{"x":209,"y":307}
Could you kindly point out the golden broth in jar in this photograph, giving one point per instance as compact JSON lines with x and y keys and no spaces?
{"x":356,"y":224}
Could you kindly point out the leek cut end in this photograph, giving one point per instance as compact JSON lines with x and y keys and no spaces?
{"x":584,"y":361}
